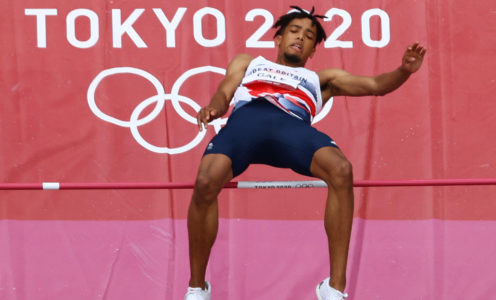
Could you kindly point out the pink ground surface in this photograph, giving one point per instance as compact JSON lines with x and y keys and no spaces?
{"x":252,"y":259}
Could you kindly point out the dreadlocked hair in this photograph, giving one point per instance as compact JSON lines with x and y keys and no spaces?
{"x":300,"y":13}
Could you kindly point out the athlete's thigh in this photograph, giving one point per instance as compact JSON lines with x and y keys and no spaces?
{"x":297,"y":144}
{"x":328,"y":160}
{"x":239,"y":139}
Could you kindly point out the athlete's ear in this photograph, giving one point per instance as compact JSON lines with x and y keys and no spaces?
{"x":278,"y":40}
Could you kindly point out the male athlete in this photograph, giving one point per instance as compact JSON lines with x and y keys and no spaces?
{"x":271,"y":124}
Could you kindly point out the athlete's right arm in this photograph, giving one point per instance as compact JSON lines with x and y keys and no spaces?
{"x":219,"y":104}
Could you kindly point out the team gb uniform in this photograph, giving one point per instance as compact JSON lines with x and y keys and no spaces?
{"x":271,"y":121}
{"x":294,"y":90}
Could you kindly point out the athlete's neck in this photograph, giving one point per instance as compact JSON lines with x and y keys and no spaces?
{"x":290,"y":61}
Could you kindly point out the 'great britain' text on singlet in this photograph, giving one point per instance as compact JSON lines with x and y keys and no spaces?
{"x":294,"y":90}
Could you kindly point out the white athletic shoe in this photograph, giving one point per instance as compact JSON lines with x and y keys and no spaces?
{"x":326,"y":292}
{"x":199,"y":293}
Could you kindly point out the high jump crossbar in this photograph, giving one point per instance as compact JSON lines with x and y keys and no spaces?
{"x":239,"y":184}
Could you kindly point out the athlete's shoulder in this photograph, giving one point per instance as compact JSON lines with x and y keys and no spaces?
{"x":242,"y":59}
{"x":239,"y":64}
{"x":329,"y":74}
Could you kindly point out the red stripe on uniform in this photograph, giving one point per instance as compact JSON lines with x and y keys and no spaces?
{"x":258,"y":88}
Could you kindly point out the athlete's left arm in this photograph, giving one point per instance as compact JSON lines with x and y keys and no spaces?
{"x":335,"y":82}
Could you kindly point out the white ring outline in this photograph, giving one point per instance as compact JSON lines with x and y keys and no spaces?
{"x":122,"y":70}
{"x":179,"y":82}
{"x":162,"y":97}
{"x":324,"y":111}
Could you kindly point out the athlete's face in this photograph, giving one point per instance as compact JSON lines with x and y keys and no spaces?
{"x":297,"y":42}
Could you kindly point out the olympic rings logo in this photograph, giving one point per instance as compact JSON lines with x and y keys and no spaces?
{"x":159,"y":101}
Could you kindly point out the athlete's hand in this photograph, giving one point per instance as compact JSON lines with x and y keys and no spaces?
{"x":205,"y":115}
{"x":413,"y":58}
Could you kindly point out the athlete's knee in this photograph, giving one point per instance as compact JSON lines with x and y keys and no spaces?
{"x":340,"y":173}
{"x":206,"y":189}
{"x":344,"y":169}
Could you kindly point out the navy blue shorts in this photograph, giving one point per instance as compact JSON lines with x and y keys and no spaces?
{"x":261,"y":133}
